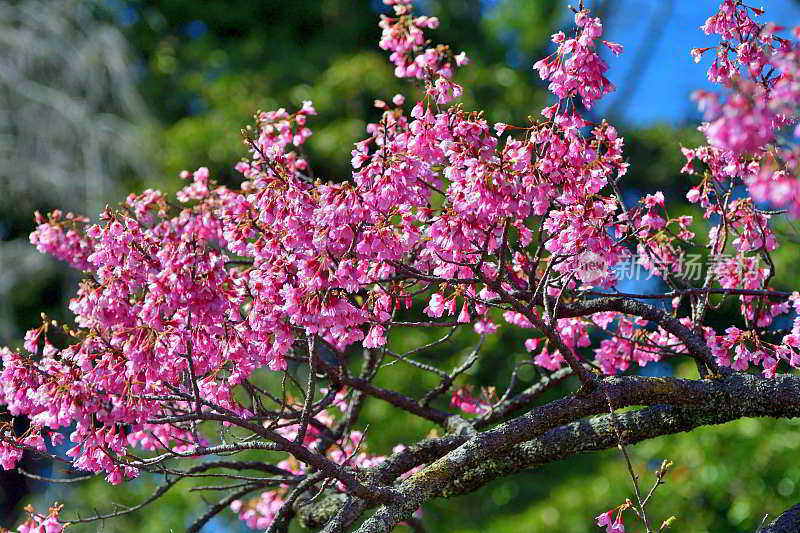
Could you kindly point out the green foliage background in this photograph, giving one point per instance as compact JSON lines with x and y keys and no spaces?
{"x":206,"y":67}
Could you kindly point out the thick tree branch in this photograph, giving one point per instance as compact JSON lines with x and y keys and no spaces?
{"x":735,"y":396}
{"x":787,"y":522}
{"x":594,"y":434}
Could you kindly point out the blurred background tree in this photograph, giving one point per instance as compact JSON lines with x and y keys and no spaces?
{"x":73,"y":132}
{"x":100,"y":96}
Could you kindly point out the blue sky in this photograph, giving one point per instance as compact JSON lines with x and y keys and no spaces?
{"x":670,"y":28}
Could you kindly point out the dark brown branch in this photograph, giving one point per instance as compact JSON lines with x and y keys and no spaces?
{"x":281,"y":521}
{"x":310,"y":390}
{"x":348,"y":512}
{"x":587,"y":378}
{"x":239,"y":465}
{"x":693,"y":341}
{"x":54,"y":479}
{"x":447,"y":381}
{"x":160,"y":491}
{"x":300,"y":452}
{"x":389,"y":396}
{"x":590,"y":435}
{"x":218,"y":507}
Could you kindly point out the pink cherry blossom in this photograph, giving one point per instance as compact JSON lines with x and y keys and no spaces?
{"x":448,"y":221}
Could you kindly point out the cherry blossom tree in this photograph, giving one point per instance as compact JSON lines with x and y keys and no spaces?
{"x":262,"y":319}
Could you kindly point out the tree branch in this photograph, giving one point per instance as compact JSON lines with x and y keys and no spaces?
{"x":787,"y":522}
{"x":734,"y":396}
{"x":693,"y":341}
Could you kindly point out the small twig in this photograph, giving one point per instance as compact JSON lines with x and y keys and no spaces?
{"x":221,"y":505}
{"x":285,"y":513}
{"x":448,"y":381}
{"x":54,"y":479}
{"x":634,"y":477}
{"x":310,"y":386}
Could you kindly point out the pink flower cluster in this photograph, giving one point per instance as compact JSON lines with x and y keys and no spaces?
{"x":748,"y":145}
{"x":38,"y":523}
{"x":165,"y":298}
{"x":403,"y":36}
{"x":613,"y":524}
{"x":739,"y":348}
{"x":575,"y":68}
{"x":61,"y":236}
{"x":463,"y":400}
{"x":760,"y":69}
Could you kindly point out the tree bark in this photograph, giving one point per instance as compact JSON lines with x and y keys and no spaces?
{"x":787,"y":522}
{"x":548,"y":433}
